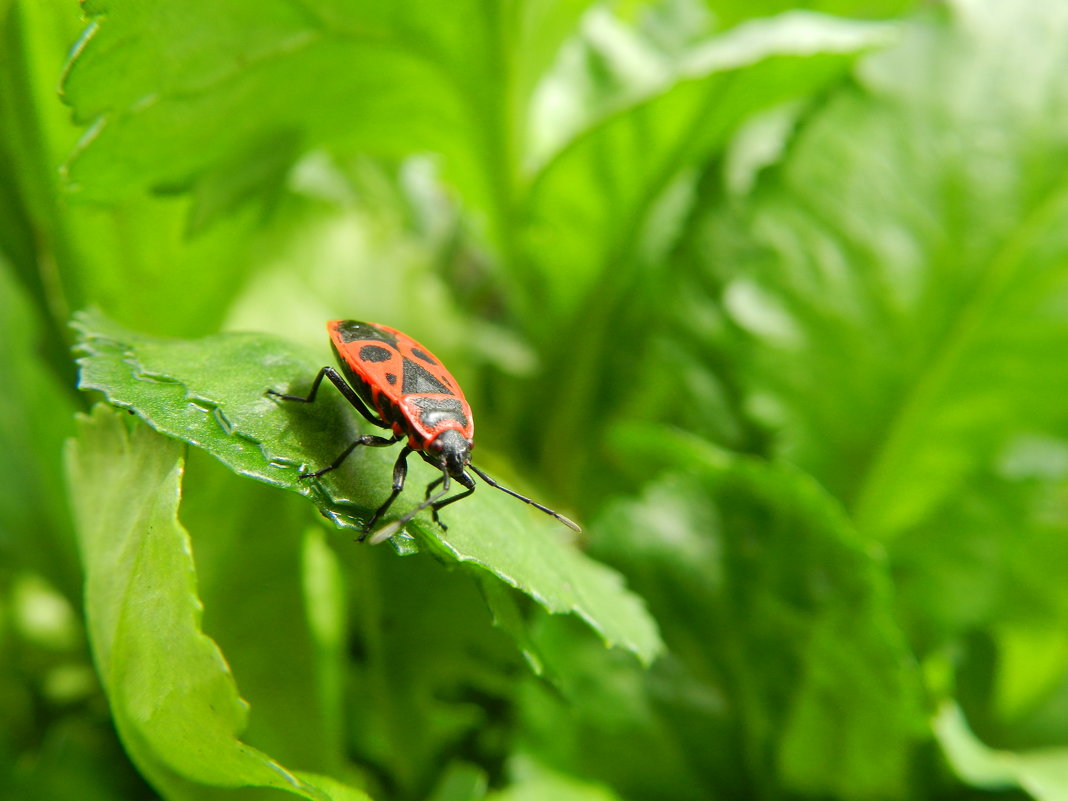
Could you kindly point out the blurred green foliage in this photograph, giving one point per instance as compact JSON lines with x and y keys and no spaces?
{"x":773,"y":299}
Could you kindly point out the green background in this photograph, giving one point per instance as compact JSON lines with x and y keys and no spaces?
{"x":773,"y":300}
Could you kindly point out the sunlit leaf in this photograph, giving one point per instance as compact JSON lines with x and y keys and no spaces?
{"x":603,"y":210}
{"x":1043,"y":774}
{"x":533,"y":782}
{"x":168,"y":101}
{"x":591,"y":204}
{"x":921,"y":269}
{"x":250,"y":578}
{"x":171,"y":692}
{"x":768,"y":594}
{"x":35,"y":417}
{"x":211,"y":393}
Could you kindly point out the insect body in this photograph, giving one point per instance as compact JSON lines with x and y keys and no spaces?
{"x":397,"y":384}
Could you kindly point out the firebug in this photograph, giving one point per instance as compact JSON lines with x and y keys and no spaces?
{"x":399,"y":385}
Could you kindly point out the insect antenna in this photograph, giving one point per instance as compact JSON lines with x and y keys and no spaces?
{"x":567,"y":522}
{"x":392,"y":528}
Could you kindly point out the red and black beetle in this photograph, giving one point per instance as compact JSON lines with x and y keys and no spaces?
{"x":398,"y":384}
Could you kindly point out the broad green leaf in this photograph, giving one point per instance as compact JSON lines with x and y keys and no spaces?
{"x":508,"y":615}
{"x":133,"y":255}
{"x":601,"y":215}
{"x":34,"y":38}
{"x":659,"y":733}
{"x":921,"y":270}
{"x":138,"y":258}
{"x":988,"y":560}
{"x":172,"y":695}
{"x":590,"y":208}
{"x":429,"y":678}
{"x":324,"y":592}
{"x":143,"y":69}
{"x":770,"y":598}
{"x":734,"y":11}
{"x":534,"y":782}
{"x":211,"y":393}
{"x":170,"y":100}
{"x":35,"y":418}
{"x":462,"y":782}
{"x":249,"y":550}
{"x":1043,"y":774}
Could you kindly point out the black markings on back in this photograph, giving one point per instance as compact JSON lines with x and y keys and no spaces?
{"x":418,"y":381}
{"x":438,"y":410}
{"x":421,"y":354}
{"x":354,"y":330}
{"x":391,"y":378}
{"x":375,"y":353}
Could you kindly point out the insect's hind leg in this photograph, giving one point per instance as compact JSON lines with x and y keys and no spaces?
{"x":343,"y":387}
{"x":367,"y":439}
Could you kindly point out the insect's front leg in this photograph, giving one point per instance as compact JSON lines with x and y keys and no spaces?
{"x":426,"y":498}
{"x":390,"y":529}
{"x":430,"y":487}
{"x":464,"y":480}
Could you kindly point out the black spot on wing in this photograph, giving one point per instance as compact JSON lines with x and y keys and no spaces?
{"x":391,"y":378}
{"x":418,"y":381}
{"x":422,"y":354}
{"x":375,"y":353}
{"x":354,"y":330}
{"x":437,"y":410}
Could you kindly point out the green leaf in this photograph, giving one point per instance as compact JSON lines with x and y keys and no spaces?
{"x":658,"y":733}
{"x":429,"y":680}
{"x":211,"y":393}
{"x":34,"y":37}
{"x":251,"y":576}
{"x":172,"y":696}
{"x":169,"y":101}
{"x":602,"y":211}
{"x":922,"y":271}
{"x":988,"y":560}
{"x":592,"y":207}
{"x":324,"y":597}
{"x":728,"y":13}
{"x":1043,"y":774}
{"x":771,"y":599}
{"x":508,"y":616}
{"x":96,"y":253}
{"x":35,"y":418}
{"x":532,"y":781}
{"x":462,"y":782}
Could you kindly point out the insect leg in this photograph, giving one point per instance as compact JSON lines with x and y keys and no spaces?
{"x":466,"y":481}
{"x":367,"y":439}
{"x":343,"y":387}
{"x":400,"y":472}
{"x":390,"y":529}
{"x":432,"y":484}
